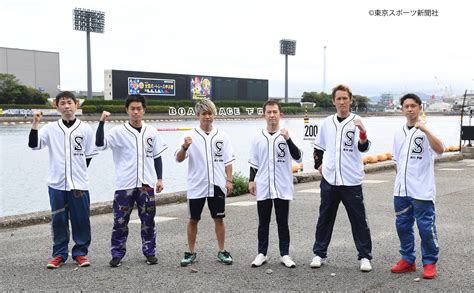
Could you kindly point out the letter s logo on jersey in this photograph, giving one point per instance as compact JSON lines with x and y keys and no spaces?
{"x":78,"y":140}
{"x":219,"y":148}
{"x":418,"y":145}
{"x":349,"y":138}
{"x":281,"y":149}
{"x":149,"y":144}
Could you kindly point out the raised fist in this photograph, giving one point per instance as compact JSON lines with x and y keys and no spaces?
{"x":104,"y":116}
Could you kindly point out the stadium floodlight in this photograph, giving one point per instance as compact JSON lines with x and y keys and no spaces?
{"x":89,"y":21}
{"x":287,"y":47}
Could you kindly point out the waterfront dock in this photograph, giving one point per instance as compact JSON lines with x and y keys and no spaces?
{"x":24,"y":251}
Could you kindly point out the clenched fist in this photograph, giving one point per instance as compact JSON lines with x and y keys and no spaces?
{"x":187,"y":142}
{"x":358,"y":123}
{"x":104,"y":116}
{"x":285,"y":134}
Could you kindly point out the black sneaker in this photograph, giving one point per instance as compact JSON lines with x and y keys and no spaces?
{"x":151,"y":260}
{"x":115,"y":262}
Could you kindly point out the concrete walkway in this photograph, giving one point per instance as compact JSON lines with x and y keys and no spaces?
{"x":24,"y":251}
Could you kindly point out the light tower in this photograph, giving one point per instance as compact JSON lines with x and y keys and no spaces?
{"x":88,"y":21}
{"x":287,"y":47}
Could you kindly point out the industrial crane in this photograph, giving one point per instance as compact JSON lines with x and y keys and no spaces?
{"x":445,"y":93}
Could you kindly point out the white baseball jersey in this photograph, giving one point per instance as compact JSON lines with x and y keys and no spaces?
{"x":134,"y":154}
{"x":208,"y":155}
{"x":68,"y":150}
{"x":415,"y":164}
{"x":271,"y":156}
{"x":342,"y":160}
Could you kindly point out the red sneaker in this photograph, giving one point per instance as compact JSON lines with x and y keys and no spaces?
{"x":55,"y":262}
{"x":403,"y":267}
{"x":82,"y":261}
{"x":429,"y":271}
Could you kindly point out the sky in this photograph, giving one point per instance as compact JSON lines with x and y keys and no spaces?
{"x":372,"y":54}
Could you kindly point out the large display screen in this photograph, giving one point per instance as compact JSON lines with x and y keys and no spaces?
{"x":151,"y":86}
{"x":201,"y":87}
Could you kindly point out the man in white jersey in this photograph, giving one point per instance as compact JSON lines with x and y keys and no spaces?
{"x":272,"y":153}
{"x":137,"y":148}
{"x":210,"y":157}
{"x":337,"y":154}
{"x":70,"y":143}
{"x":414,"y":149}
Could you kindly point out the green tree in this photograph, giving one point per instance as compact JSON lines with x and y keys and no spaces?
{"x":322,"y":100}
{"x":13,"y":92}
{"x":360,"y":103}
{"x":9,"y":88}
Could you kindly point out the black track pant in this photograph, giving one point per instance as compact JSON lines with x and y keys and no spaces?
{"x":264,"y":208}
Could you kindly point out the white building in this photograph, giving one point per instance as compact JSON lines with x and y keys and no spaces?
{"x":440,"y":107}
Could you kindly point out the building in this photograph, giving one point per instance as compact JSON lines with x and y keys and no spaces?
{"x":37,"y":69}
{"x":169,"y":86}
{"x":440,"y":107}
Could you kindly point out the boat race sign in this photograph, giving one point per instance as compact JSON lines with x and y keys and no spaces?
{"x":222,"y":111}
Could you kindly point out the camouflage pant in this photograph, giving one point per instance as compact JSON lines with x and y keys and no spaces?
{"x":124,"y":201}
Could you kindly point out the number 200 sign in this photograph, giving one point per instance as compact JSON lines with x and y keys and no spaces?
{"x":310,"y":131}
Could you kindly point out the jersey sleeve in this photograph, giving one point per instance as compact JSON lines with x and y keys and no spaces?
{"x":229,"y":156}
{"x":110,"y":140}
{"x":91,"y":149}
{"x":253,"y":160}
{"x":320,"y":140}
{"x":434,"y":131}
{"x":297,"y":141}
{"x":179,"y":145}
{"x":395,"y":147}
{"x":159,"y":145}
{"x":43,"y":138}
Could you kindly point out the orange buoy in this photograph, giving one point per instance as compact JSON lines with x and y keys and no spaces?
{"x":389,"y":155}
{"x":372,"y":159}
{"x":294,"y":167}
{"x":382,"y":157}
{"x":365,"y":160}
{"x":456,"y":148}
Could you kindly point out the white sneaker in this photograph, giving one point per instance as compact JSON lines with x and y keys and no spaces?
{"x":317,"y":262}
{"x":287,"y":261}
{"x":259,"y":260}
{"x":365,"y":265}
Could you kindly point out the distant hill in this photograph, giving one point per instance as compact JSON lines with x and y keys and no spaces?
{"x":374,"y":99}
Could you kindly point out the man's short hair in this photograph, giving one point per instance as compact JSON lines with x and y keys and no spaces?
{"x":135,"y":98}
{"x":65,"y":95}
{"x":341,"y":87}
{"x":271,"y":103}
{"x":205,"y":105}
{"x":410,"y":96}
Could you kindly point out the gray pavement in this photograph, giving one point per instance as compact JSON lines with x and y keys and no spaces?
{"x":24,"y":251}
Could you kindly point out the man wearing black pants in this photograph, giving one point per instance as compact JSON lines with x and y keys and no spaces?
{"x":271,"y":181}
